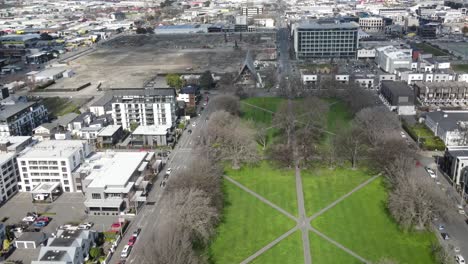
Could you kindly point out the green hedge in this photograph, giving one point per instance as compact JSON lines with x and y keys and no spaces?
{"x":426,"y":139}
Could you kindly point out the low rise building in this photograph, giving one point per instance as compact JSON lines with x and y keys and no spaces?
{"x":448,"y":126}
{"x":108,"y":181}
{"x":20,"y":118}
{"x":433,"y":93}
{"x":151,"y":136}
{"x":455,"y":165}
{"x":52,"y":161}
{"x":390,"y":58}
{"x":372,"y":24}
{"x":109,"y":136}
{"x":398,"y":97}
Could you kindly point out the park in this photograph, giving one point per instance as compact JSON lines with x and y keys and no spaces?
{"x":267,"y":209}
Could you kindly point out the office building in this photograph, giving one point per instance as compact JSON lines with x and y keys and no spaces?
{"x":144,"y":107}
{"x":52,"y":161}
{"x":109,"y":181}
{"x":252,"y":11}
{"x":20,"y":118}
{"x":8,"y":176}
{"x":372,"y":24}
{"x":325,"y":39}
{"x":390,"y":58}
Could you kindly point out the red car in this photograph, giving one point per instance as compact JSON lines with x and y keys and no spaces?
{"x":43,"y":219}
{"x":132,"y":241}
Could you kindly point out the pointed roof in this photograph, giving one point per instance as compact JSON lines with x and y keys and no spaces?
{"x":248,"y":65}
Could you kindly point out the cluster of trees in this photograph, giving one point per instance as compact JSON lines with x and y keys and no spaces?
{"x":205,"y":81}
{"x":226,"y":138}
{"x":191,"y":209}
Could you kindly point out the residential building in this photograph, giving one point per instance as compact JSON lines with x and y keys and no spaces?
{"x":372,"y":24}
{"x":434,"y":93}
{"x":69,"y":246}
{"x":455,"y":165}
{"x":57,"y":129}
{"x":397,"y":15}
{"x":30,"y":240}
{"x":8,"y":176}
{"x":109,"y":136}
{"x":151,"y":136}
{"x":144,"y":107}
{"x":20,"y":118}
{"x":390,"y":58}
{"x":398,"y":97}
{"x":189,"y":95}
{"x":325,"y":39}
{"x":52,"y":161}
{"x":448,"y":126}
{"x":108,"y":181}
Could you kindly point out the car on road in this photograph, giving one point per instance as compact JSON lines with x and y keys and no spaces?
{"x":403,"y":135}
{"x":445,"y":236}
{"x":40,"y":223}
{"x":85,"y":226}
{"x":30,"y":218}
{"x":194,"y":124}
{"x":190,"y":131}
{"x":460,"y":259}
{"x":431,"y":172}
{"x":136,"y":233}
{"x":126,"y":251}
{"x":168,"y":171}
{"x":441,"y":227}
{"x":131,"y":241}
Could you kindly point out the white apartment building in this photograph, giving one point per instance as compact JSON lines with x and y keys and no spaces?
{"x":252,"y":11}
{"x":145,"y":107}
{"x":397,"y":15}
{"x":52,"y":161}
{"x":19,"y":118}
{"x":390,"y":58}
{"x":8,"y":176}
{"x":372,"y":24}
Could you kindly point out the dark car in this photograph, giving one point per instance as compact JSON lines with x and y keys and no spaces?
{"x":445,"y":236}
{"x":190,"y":131}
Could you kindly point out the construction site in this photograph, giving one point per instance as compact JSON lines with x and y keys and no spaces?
{"x":129,"y":61}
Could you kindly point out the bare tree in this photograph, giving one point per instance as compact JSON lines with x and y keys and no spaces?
{"x":261,"y":135}
{"x":282,"y":154}
{"x":331,"y":153}
{"x":227,"y":138}
{"x":228,"y":103}
{"x":378,"y":123}
{"x":442,"y":254}
{"x":357,"y":98}
{"x":352,"y":144}
{"x":284,"y":119}
{"x":414,"y":201}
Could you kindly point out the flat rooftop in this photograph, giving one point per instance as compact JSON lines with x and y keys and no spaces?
{"x":9,"y":110}
{"x":53,"y":149}
{"x":327,"y":25}
{"x":4,"y":157}
{"x":111,"y":169}
{"x":109,"y":130}
{"x":14,"y":141}
{"x":151,"y":130}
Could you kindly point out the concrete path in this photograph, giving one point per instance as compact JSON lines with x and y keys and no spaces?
{"x":261,"y":198}
{"x":258,"y":107}
{"x":360,"y":186}
{"x":303,"y":222}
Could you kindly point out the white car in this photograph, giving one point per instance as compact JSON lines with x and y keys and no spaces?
{"x":126,"y":251}
{"x":168,"y":171}
{"x":431,"y":173}
{"x":460,"y":259}
{"x":403,"y":135}
{"x":194,"y":124}
{"x":29,"y":219}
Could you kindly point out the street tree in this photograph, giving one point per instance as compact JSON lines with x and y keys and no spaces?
{"x":261,"y":135}
{"x":226,"y":102}
{"x":357,"y":98}
{"x":206,"y":80}
{"x":378,"y":123}
{"x":174,"y":81}
{"x":282,"y":154}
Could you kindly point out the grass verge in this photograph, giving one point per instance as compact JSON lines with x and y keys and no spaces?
{"x":288,"y":251}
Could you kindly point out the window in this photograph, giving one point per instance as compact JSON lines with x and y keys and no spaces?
{"x":63,"y":163}
{"x":26,"y":181}
{"x":64,"y":169}
{"x":96,"y":195}
{"x":66,"y":182}
{"x":24,"y":168}
{"x":67,"y":189}
{"x":28,"y":188}
{"x":25,"y":175}
{"x":23,"y":162}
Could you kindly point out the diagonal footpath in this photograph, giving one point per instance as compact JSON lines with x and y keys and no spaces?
{"x":360,"y":186}
{"x":349,"y":251}
{"x":258,"y":107}
{"x":261,"y":198}
{"x":269,"y":246}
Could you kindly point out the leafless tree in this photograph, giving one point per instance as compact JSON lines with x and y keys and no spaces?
{"x":357,"y":98}
{"x":378,"y":123}
{"x":285,"y":119}
{"x":442,"y":254}
{"x":202,"y":174}
{"x":414,"y":201}
{"x":229,"y":139}
{"x":228,"y":103}
{"x":331,"y":154}
{"x":282,"y":154}
{"x":352,"y":144}
{"x":191,"y":209}
{"x":261,"y":135}
{"x":269,"y":77}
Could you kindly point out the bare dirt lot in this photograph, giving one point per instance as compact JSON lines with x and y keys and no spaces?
{"x":129,"y":61}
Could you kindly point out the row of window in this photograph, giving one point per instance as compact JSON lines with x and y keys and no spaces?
{"x":43,"y":162}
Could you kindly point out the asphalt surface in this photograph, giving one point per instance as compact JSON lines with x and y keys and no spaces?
{"x":147,"y":217}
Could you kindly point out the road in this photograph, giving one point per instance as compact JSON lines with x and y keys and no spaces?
{"x":147,"y":218}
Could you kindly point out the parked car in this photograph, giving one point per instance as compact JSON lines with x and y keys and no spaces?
{"x":460,"y":259}
{"x":403,"y":135}
{"x":431,"y":172}
{"x":126,"y":251}
{"x":445,"y":236}
{"x":40,"y":223}
{"x":43,"y":219}
{"x":136,"y":233}
{"x":441,"y":227}
{"x":190,"y":131}
{"x":131,"y":241}
{"x":194,"y":124}
{"x":168,"y":171}
{"x":29,"y":219}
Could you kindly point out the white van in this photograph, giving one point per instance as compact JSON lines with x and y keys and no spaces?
{"x":41,"y":196}
{"x":126,"y":251}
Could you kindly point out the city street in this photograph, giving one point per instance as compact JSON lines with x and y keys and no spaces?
{"x":147,"y":218}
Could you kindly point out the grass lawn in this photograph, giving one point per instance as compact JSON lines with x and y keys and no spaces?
{"x":430,"y":49}
{"x":278,"y":186}
{"x":460,"y":67}
{"x":323,"y":186}
{"x":259,"y":115}
{"x":248,"y":225}
{"x":362,"y":224}
{"x":59,"y":106}
{"x":429,"y":141}
{"x":288,"y":251}
{"x":324,"y":252}
{"x":337,"y":114}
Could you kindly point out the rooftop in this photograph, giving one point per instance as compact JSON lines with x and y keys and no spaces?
{"x":53,"y":148}
{"x":144,"y":92}
{"x":14,"y":141}
{"x":317,"y":24}
{"x":109,"y":130}
{"x":398,"y":88}
{"x":448,"y":120}
{"x":4,"y":157}
{"x":54,"y":255}
{"x":7,"y":111}
{"x":111,"y":169}
{"x":151,"y":130}
{"x":395,"y":52}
